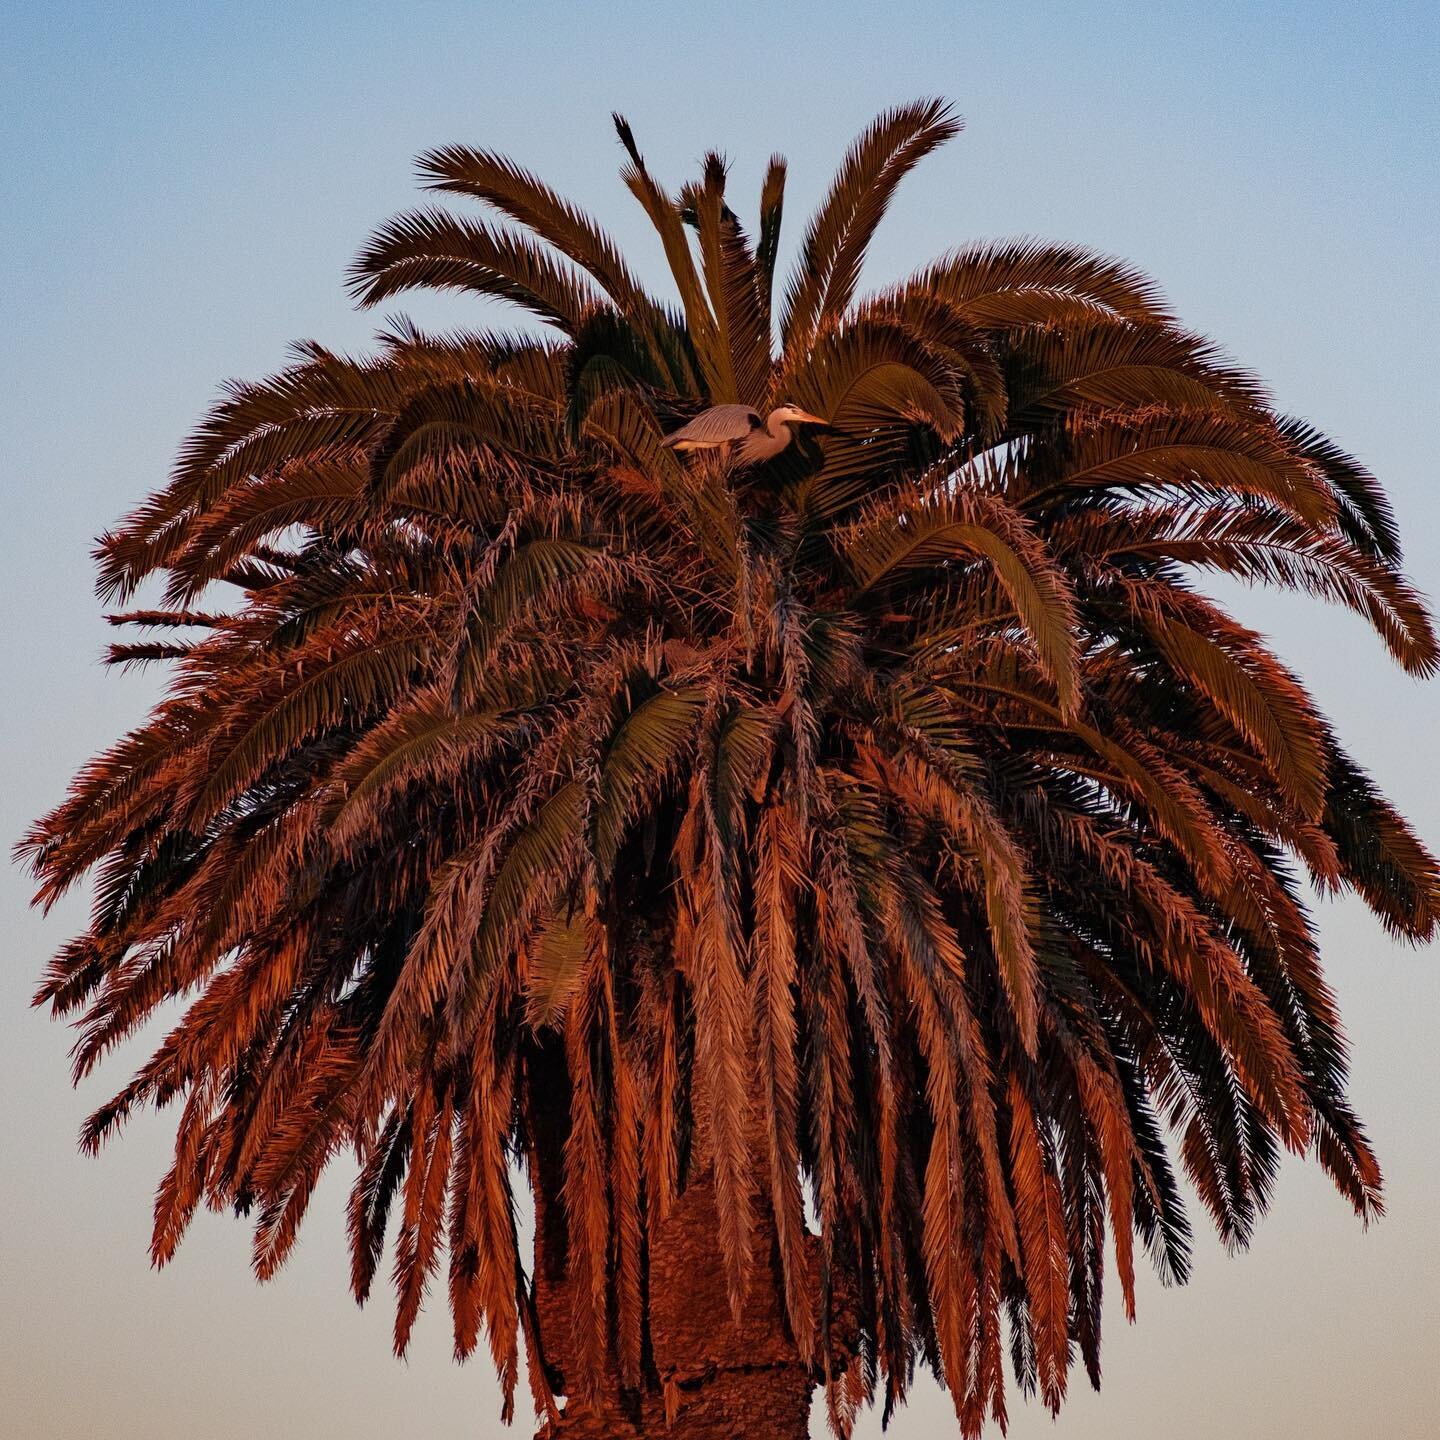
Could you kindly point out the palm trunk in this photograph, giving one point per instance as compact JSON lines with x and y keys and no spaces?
{"x":717,"y":1380}
{"x":705,"y":1376}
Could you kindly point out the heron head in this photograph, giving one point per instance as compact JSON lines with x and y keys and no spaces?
{"x":788,"y":414}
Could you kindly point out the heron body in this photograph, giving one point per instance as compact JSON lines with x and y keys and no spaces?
{"x":757,"y":440}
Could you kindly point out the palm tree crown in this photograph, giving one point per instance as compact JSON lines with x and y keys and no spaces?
{"x":893,"y":823}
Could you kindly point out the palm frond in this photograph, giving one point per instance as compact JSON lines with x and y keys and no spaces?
{"x":840,"y":232}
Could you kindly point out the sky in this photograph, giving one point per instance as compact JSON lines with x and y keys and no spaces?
{"x":183,"y":186}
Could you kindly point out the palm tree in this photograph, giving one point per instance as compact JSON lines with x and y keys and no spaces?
{"x":828,"y":887}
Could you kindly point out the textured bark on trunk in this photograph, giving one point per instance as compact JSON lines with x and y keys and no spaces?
{"x":708,"y":1378}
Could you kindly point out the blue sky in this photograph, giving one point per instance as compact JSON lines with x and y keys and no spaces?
{"x":183,"y":188}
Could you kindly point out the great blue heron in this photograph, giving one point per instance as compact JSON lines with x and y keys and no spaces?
{"x":724,"y":425}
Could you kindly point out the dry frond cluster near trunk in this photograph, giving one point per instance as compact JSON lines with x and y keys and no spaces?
{"x":895,"y":824}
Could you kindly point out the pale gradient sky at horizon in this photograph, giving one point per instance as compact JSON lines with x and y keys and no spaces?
{"x":184,"y":186}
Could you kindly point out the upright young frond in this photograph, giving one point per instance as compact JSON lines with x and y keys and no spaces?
{"x":834,"y":247}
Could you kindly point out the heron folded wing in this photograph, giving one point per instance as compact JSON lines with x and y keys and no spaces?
{"x":719,"y":425}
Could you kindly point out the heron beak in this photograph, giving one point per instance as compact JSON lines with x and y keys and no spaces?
{"x":806,"y":418}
